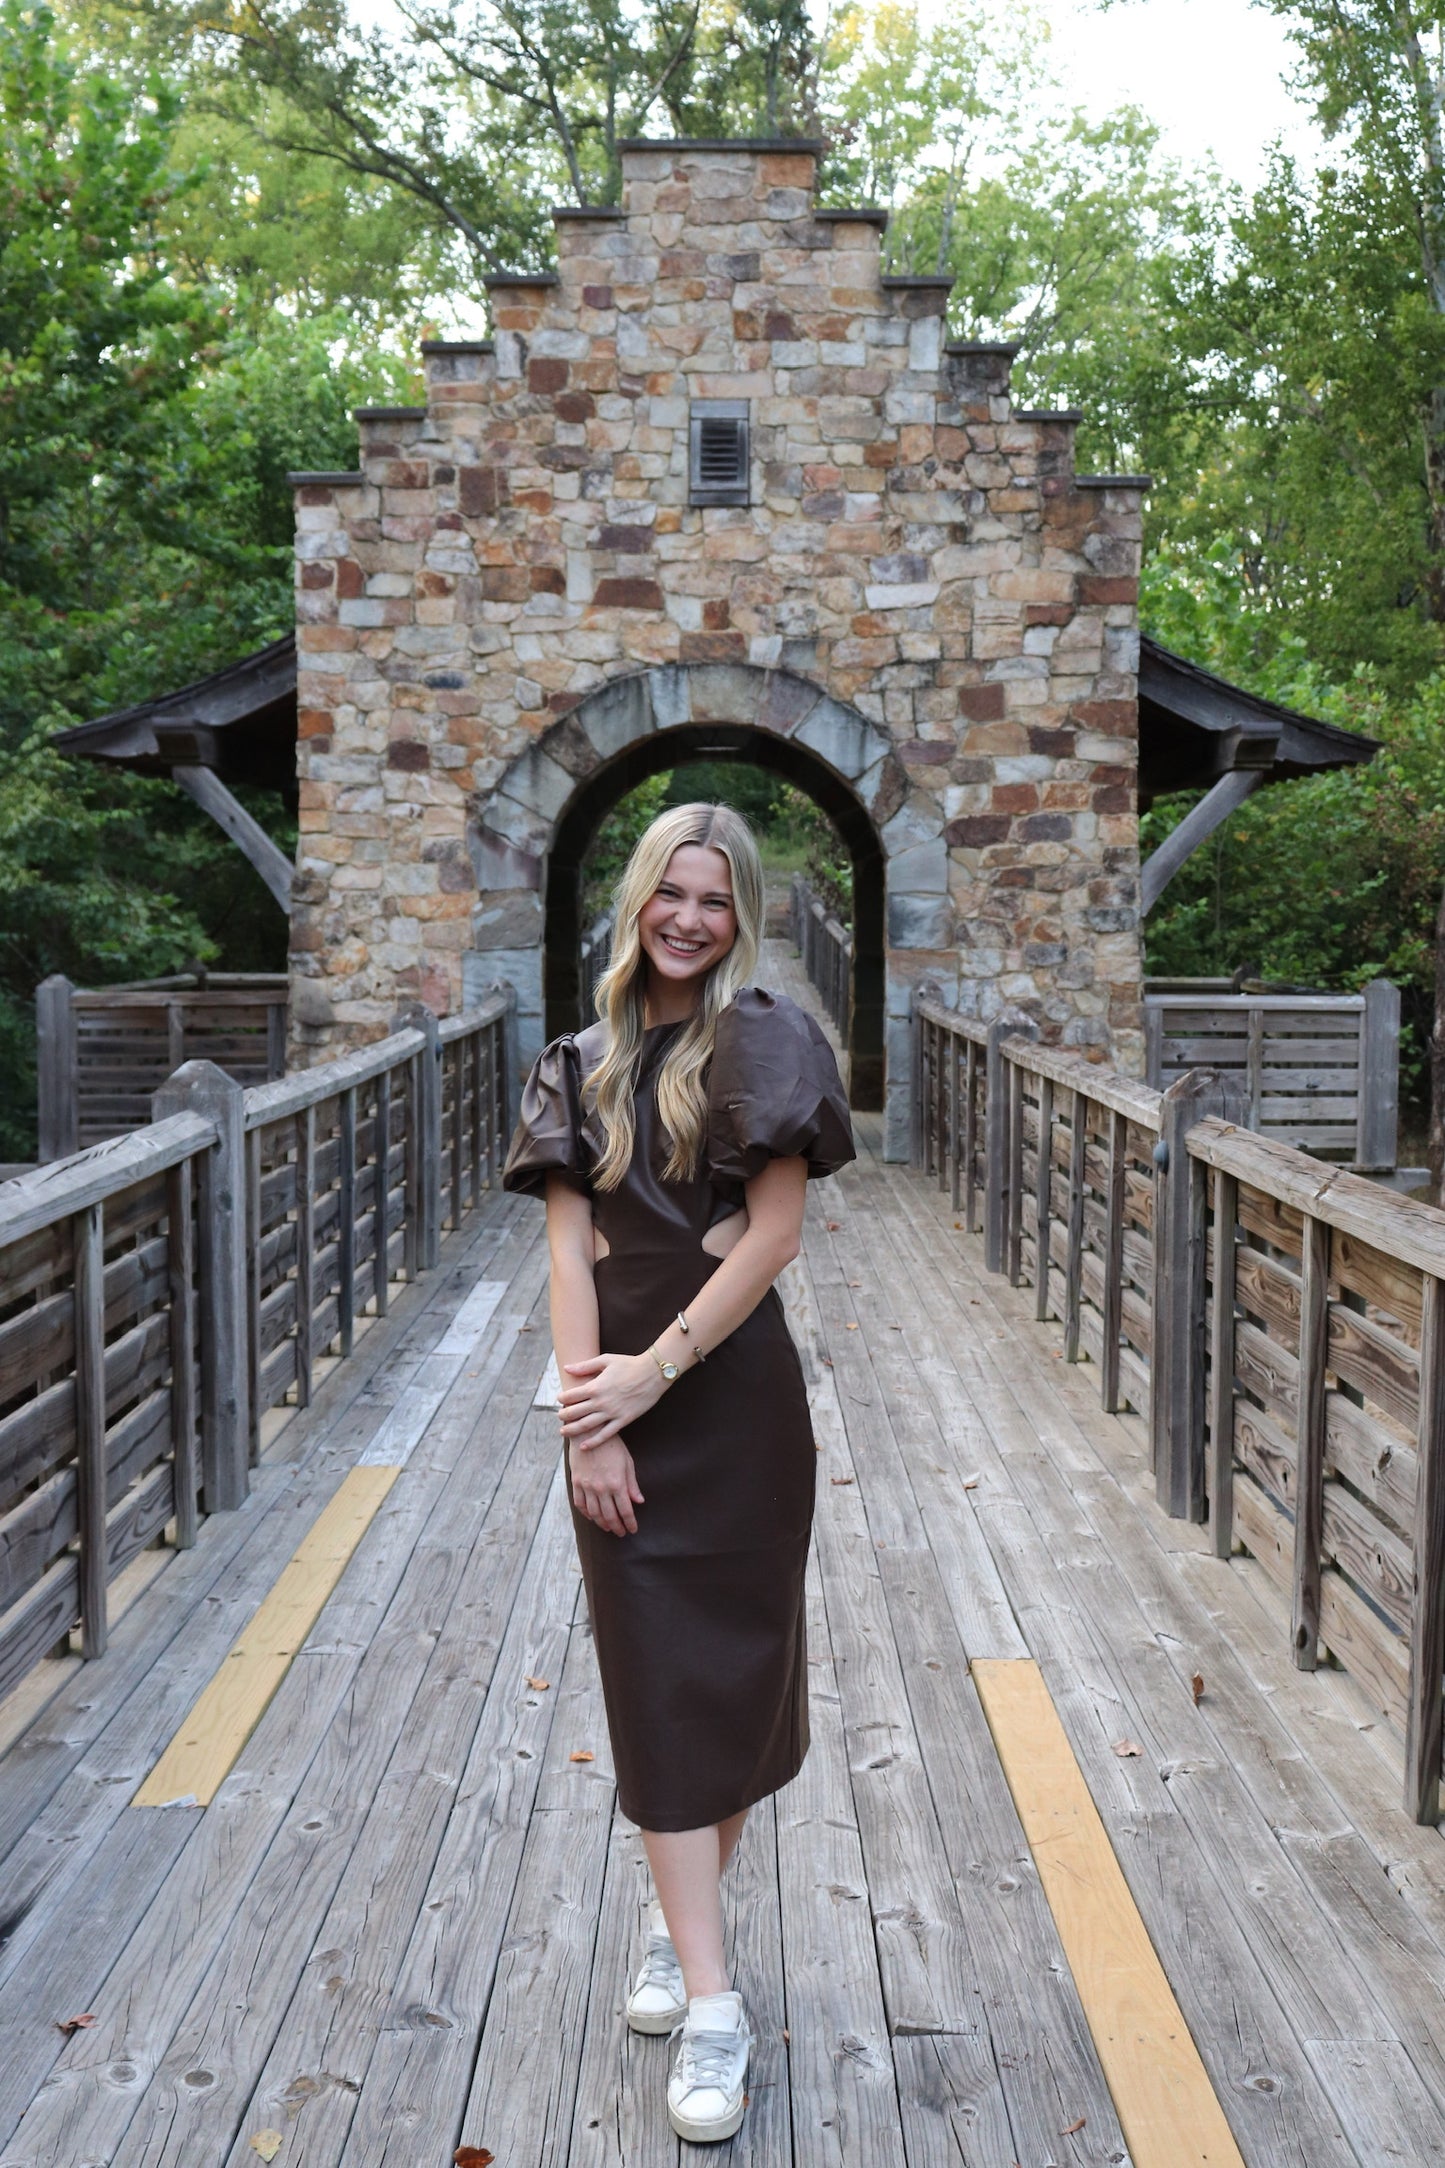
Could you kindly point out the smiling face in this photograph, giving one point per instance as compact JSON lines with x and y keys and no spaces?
{"x":688,"y":924}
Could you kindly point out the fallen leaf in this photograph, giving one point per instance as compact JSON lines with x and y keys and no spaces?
{"x":840,"y":1479}
{"x":971,"y":1482}
{"x":76,"y":2024}
{"x":538,"y":1686}
{"x":581,"y":1753}
{"x":524,"y":1328}
{"x":832,"y":1226}
{"x":472,"y":2156}
{"x":855,"y":1283}
{"x":826,"y":1361}
{"x":1196,"y":1687}
{"x":266,"y":2142}
{"x":1069,"y":2128}
{"x":958,"y":1224}
{"x":895,"y":1328}
{"x":786,"y":2034}
{"x":850,"y":1328}
{"x":1126,"y":1749}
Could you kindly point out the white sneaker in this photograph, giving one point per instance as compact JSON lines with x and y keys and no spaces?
{"x":658,"y":2001}
{"x":705,"y":2097}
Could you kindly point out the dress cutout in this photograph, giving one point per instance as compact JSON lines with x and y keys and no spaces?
{"x":698,"y":1618}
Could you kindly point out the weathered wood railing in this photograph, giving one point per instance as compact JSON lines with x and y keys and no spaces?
{"x":102,"y":1051}
{"x":160,"y":1292}
{"x":102,"y":1375}
{"x":826,"y":947}
{"x":1279,"y":1324}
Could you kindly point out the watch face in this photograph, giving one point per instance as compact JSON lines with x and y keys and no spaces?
{"x":669,"y":1371}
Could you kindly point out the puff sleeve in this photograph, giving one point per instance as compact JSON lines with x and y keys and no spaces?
{"x":549,"y":1135}
{"x":774,"y":1091}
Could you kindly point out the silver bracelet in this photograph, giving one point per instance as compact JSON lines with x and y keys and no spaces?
{"x":686,"y":1330}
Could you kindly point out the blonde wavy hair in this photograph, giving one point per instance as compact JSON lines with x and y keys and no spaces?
{"x":621,"y":991}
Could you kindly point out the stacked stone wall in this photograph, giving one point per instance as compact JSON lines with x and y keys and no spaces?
{"x":920,"y":577}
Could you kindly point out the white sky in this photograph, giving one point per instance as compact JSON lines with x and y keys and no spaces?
{"x":1209,"y":72}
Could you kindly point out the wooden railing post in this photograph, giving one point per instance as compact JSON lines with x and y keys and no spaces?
{"x":1113,"y":1311}
{"x":970,"y":1137}
{"x":1378,"y":1103}
{"x":428,"y":1140}
{"x":57,"y":1065}
{"x":1043,"y":1197}
{"x":1177,"y":1350}
{"x":1309,"y":1518}
{"x":1074,"y":1222}
{"x":90,"y":1412}
{"x":180,"y":1264}
{"x":1427,"y":1616}
{"x":346,"y":1218}
{"x":998,"y":1086}
{"x":381,"y":1193}
{"x":1221,"y":1365}
{"x":200,"y":1087}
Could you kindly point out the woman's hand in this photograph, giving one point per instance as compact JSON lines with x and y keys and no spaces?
{"x":610,"y":1392}
{"x":604,"y":1487}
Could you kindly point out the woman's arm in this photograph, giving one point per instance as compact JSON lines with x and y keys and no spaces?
{"x":604,"y":1485}
{"x":610,"y":1390}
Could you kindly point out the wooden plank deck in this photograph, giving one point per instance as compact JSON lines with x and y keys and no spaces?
{"x":407,"y":1920}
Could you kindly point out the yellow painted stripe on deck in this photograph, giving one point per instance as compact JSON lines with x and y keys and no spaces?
{"x":1167,"y":2106}
{"x":202,"y":1753}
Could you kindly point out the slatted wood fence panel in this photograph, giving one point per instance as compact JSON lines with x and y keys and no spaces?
{"x":104,"y":1051}
{"x":1327,"y":1297}
{"x":1318,"y":1070}
{"x":351,"y":1170}
{"x":100,"y":1355}
{"x":1279,"y":1323}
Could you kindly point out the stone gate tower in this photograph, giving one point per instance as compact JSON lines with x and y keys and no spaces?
{"x":719,"y":471}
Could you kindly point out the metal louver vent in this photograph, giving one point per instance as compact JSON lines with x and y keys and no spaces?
{"x":719,"y":452}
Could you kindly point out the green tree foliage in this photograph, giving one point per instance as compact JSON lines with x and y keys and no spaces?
{"x":1058,"y":230}
{"x":145,"y":531}
{"x":1294,"y":409}
{"x":617,"y":836}
{"x":477,"y":118}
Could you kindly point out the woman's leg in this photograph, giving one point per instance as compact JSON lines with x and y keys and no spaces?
{"x":684,"y":1865}
{"x":728,"y":1834}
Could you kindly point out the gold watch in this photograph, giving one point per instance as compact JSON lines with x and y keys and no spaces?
{"x":668,"y":1369}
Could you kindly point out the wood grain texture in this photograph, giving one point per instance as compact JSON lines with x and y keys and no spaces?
{"x":1168,"y":2108}
{"x":1310,"y":1444}
{"x":204,"y":1750}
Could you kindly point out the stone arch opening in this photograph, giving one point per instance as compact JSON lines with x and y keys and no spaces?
{"x":529,"y":835}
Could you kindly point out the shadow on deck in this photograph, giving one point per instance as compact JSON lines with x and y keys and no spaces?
{"x":407,"y":1920}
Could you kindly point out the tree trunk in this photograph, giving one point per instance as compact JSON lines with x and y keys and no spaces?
{"x":1437,"y":1065}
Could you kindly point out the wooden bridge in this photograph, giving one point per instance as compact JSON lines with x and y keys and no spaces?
{"x":313,"y":1855}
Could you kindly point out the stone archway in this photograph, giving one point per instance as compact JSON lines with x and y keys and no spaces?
{"x":527,"y":836}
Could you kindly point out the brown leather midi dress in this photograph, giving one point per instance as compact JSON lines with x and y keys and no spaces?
{"x":698,"y":1619}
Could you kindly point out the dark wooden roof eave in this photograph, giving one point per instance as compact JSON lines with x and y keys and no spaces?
{"x":1195,"y":727}
{"x":239,"y":722}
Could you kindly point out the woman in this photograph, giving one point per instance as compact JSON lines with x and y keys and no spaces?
{"x":673,"y":1140}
